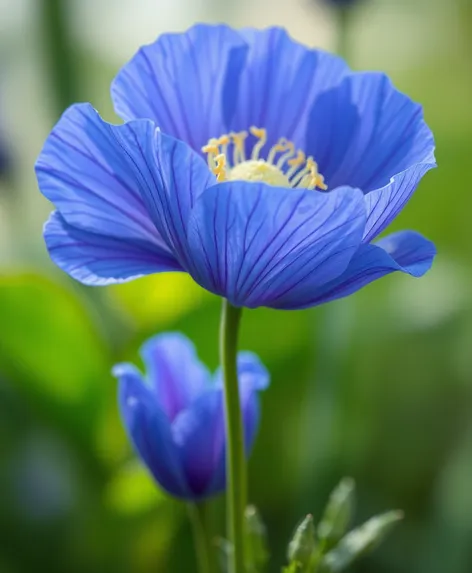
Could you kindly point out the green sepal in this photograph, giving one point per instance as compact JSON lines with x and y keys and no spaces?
{"x":359,"y":541}
{"x":302,"y":545}
{"x":223,"y":548}
{"x":257,"y":554}
{"x":337,"y":515}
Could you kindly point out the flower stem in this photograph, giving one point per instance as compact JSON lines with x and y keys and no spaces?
{"x":235,"y":458}
{"x":59,"y":53}
{"x":198,"y":515}
{"x":343,"y":16}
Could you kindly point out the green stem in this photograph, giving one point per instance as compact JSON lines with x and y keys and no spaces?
{"x":343,"y":14}
{"x":59,"y":53}
{"x":235,"y":458}
{"x":201,"y":535}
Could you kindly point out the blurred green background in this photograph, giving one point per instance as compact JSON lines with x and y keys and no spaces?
{"x":377,"y":386}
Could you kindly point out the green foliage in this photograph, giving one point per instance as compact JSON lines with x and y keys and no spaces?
{"x":293,"y":568}
{"x":334,"y":550}
{"x":303,"y":543}
{"x":359,"y":542}
{"x":257,"y":554}
{"x":51,"y":349}
{"x":338,"y":514}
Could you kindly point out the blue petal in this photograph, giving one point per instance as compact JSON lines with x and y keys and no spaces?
{"x":149,"y":430}
{"x":212,"y":79}
{"x":95,"y":259}
{"x":364,"y":131}
{"x":253,"y":377}
{"x":253,"y":243}
{"x":179,"y":176}
{"x":200,"y":431}
{"x":279,"y":82}
{"x":174,"y":371}
{"x":384,"y":204}
{"x":405,"y":251}
{"x":90,"y":170}
{"x":129,"y":182}
{"x":178,"y":81}
{"x":199,"y":435}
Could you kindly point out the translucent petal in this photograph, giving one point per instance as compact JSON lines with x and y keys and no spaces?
{"x":174,"y":371}
{"x":179,"y":82}
{"x":364,"y":131}
{"x":384,"y":204}
{"x":96,"y":259}
{"x":148,"y":428}
{"x":405,"y":251}
{"x":90,"y":170}
{"x":279,"y":82}
{"x":200,"y":430}
{"x":253,"y":243}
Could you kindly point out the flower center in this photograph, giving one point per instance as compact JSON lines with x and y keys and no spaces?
{"x":284,"y":166}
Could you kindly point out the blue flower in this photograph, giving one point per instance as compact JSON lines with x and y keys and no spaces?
{"x":174,"y":416}
{"x":263,"y":168}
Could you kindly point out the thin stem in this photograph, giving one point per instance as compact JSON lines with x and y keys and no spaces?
{"x":343,"y":16}
{"x":235,"y":458}
{"x":201,"y":535}
{"x":59,"y":53}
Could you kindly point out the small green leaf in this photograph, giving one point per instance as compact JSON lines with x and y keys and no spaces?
{"x":224,"y":549}
{"x":257,"y":554}
{"x":303,"y":543}
{"x":338,"y":513}
{"x":360,"y":541}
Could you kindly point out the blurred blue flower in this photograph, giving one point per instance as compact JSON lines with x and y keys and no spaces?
{"x":174,"y":416}
{"x":275,"y":227}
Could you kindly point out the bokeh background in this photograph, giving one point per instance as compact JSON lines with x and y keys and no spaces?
{"x":377,"y":386}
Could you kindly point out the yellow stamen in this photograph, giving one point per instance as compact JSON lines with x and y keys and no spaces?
{"x":302,"y":171}
{"x":295,"y":163}
{"x":220,"y":169}
{"x":307,"y":175}
{"x":212,"y":150}
{"x":223,"y":142}
{"x":315,"y":179}
{"x":281,"y":145}
{"x":239,"y":152}
{"x":320,"y":182}
{"x":261,"y":134}
{"x":290,"y":147}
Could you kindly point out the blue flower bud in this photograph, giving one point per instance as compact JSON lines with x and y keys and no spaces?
{"x":174,"y":414}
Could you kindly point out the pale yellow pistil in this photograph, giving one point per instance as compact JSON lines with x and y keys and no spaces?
{"x":302,"y":171}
